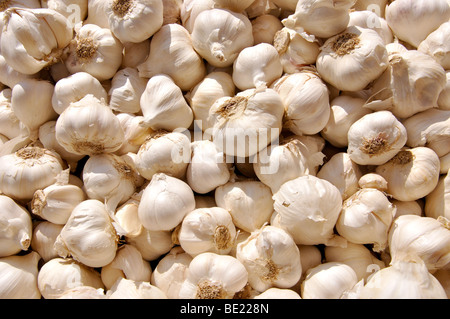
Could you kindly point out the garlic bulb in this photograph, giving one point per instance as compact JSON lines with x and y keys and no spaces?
{"x":218,"y":35}
{"x":306,"y":101}
{"x":10,"y":125}
{"x":126,"y":90}
{"x":345,"y":110}
{"x":155,"y":212}
{"x":412,"y":207}
{"x":89,"y":127}
{"x":271,"y":257}
{"x":413,"y":22}
{"x":83,"y":292}
{"x":310,"y":256}
{"x":437,"y":202}
{"x":207,"y":230}
{"x":375,"y":138}
{"x":11,"y":77}
{"x":213,"y":276}
{"x":152,"y":244}
{"x":278,"y":293}
{"x":444,"y":97}
{"x":134,"y":54}
{"x":411,"y":174}
{"x":352,"y":59}
{"x":59,"y":275}
{"x":134,"y":20}
{"x":30,"y":49}
{"x":163,"y":105}
{"x":248,"y":201}
{"x":134,"y":289}
{"x":308,"y":209}
{"x":135,"y":134}
{"x":171,"y":271}
{"x":27,"y":170}
{"x":172,"y":53}
{"x":373,"y":180}
{"x":264,"y":28}
{"x":246,"y":123}
{"x":94,"y":50}
{"x":16,"y":227}
{"x":376,"y":6}
{"x":127,"y":264}
{"x":190,"y":9}
{"x":330,"y":280}
{"x":322,"y":18}
{"x":436,"y":45}
{"x":99,"y":248}
{"x":234,"y":5}
{"x":256,"y":66}
{"x":371,"y":20}
{"x":43,"y":240}
{"x":164,"y":152}
{"x":74,"y":10}
{"x":343,"y":173}
{"x":97,"y":13}
{"x":427,"y":238}
{"x":172,"y":11}
{"x":19,"y":276}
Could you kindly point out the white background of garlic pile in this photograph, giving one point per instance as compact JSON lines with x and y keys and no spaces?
{"x":92,"y":207}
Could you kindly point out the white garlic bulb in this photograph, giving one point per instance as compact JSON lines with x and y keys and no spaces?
{"x":376,"y":6}
{"x":375,"y":138}
{"x":412,"y":207}
{"x":172,"y":53}
{"x":436,"y":45}
{"x":444,"y":97}
{"x":135,"y":53}
{"x":134,"y":289}
{"x":135,"y":134}
{"x":213,"y":276}
{"x":278,"y":293}
{"x":218,"y":35}
{"x":412,"y":174}
{"x":437,"y":202}
{"x":155,"y":212}
{"x":89,"y":127}
{"x":97,"y":13}
{"x":373,"y":180}
{"x":83,"y":292}
{"x":16,"y":227}
{"x":19,"y":276}
{"x":74,"y":10}
{"x":271,"y":257}
{"x":234,"y":5}
{"x":248,"y":201}
{"x":264,"y":28}
{"x":371,"y":20}
{"x":59,"y":275}
{"x":190,"y":9}
{"x":10,"y":125}
{"x":152,"y":244}
{"x":43,"y":240}
{"x":134,"y":20}
{"x":99,"y":248}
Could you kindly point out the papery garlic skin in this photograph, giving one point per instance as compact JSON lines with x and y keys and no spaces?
{"x":264,"y":28}
{"x":271,"y":257}
{"x":213,"y":276}
{"x":126,"y":90}
{"x":152,"y":244}
{"x":135,"y":53}
{"x":411,"y":174}
{"x":437,"y":202}
{"x":83,"y":292}
{"x":19,"y":276}
{"x":444,"y":97}
{"x":234,"y":5}
{"x":97,"y":13}
{"x":436,"y":45}
{"x":11,"y":77}
{"x":133,"y":289}
{"x":135,"y":134}
{"x":43,"y":240}
{"x":10,"y":125}
{"x":371,"y":20}
{"x":134,"y":20}
{"x":190,"y":9}
{"x":16,"y":227}
{"x":373,"y":180}
{"x":278,"y":293}
{"x":74,"y":10}
{"x":412,"y":207}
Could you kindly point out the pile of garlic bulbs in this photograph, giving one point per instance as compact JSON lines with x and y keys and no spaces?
{"x":258,"y":149}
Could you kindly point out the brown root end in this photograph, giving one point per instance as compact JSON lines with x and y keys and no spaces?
{"x":210,"y":290}
{"x":232,"y":106}
{"x":345,"y":43}
{"x":86,"y":49}
{"x":222,"y":237}
{"x":272,"y":270}
{"x":281,"y":41}
{"x":124,"y":170}
{"x":38,"y":202}
{"x":403,"y":158}
{"x":4,"y":4}
{"x":121,"y":7}
{"x":375,"y":145}
{"x":88,"y":147}
{"x":30,"y":153}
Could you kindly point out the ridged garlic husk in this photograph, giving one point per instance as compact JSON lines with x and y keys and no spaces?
{"x":163,"y":105}
{"x":264,"y":28}
{"x":403,"y":280}
{"x":171,"y":271}
{"x":10,"y":77}
{"x":134,"y":289}
{"x":412,"y":22}
{"x":306,"y":101}
{"x":134,"y":20}
{"x":366,"y":217}
{"x":296,"y":49}
{"x":412,"y":174}
{"x":16,"y":227}
{"x":321,"y":18}
{"x":246,"y":123}
{"x":411,"y":84}
{"x":207,"y":230}
{"x":97,"y":13}
{"x":172,"y":53}
{"x":83,"y":292}
{"x":256,"y":66}
{"x":215,"y":85}
{"x":373,"y":180}
{"x":278,"y":293}
{"x":27,"y":170}
{"x":369,"y":19}
{"x":436,"y":44}
{"x":437,"y":202}
{"x":99,"y":248}
{"x":375,"y":138}
{"x":213,"y":276}
{"x":271,"y":257}
{"x":94,"y":50}
{"x":289,"y":159}
{"x":352,"y":59}
{"x":89,"y":127}
{"x":329,"y":280}
{"x":249,"y":202}
{"x":43,"y":240}
{"x":345,"y":110}
{"x":218,"y":35}
{"x":59,"y":275}
{"x":126,"y":90}
{"x":30,"y":49}
{"x":10,"y":125}
{"x":164,"y":152}
{"x":19,"y":276}
{"x":427,"y":238}
{"x":74,"y":10}
{"x":308,"y":209}
{"x":127,"y":264}
{"x":208,"y":168}
{"x":190,"y":9}
{"x":155,"y":212}
{"x":135,"y":53}
{"x":343,"y":173}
